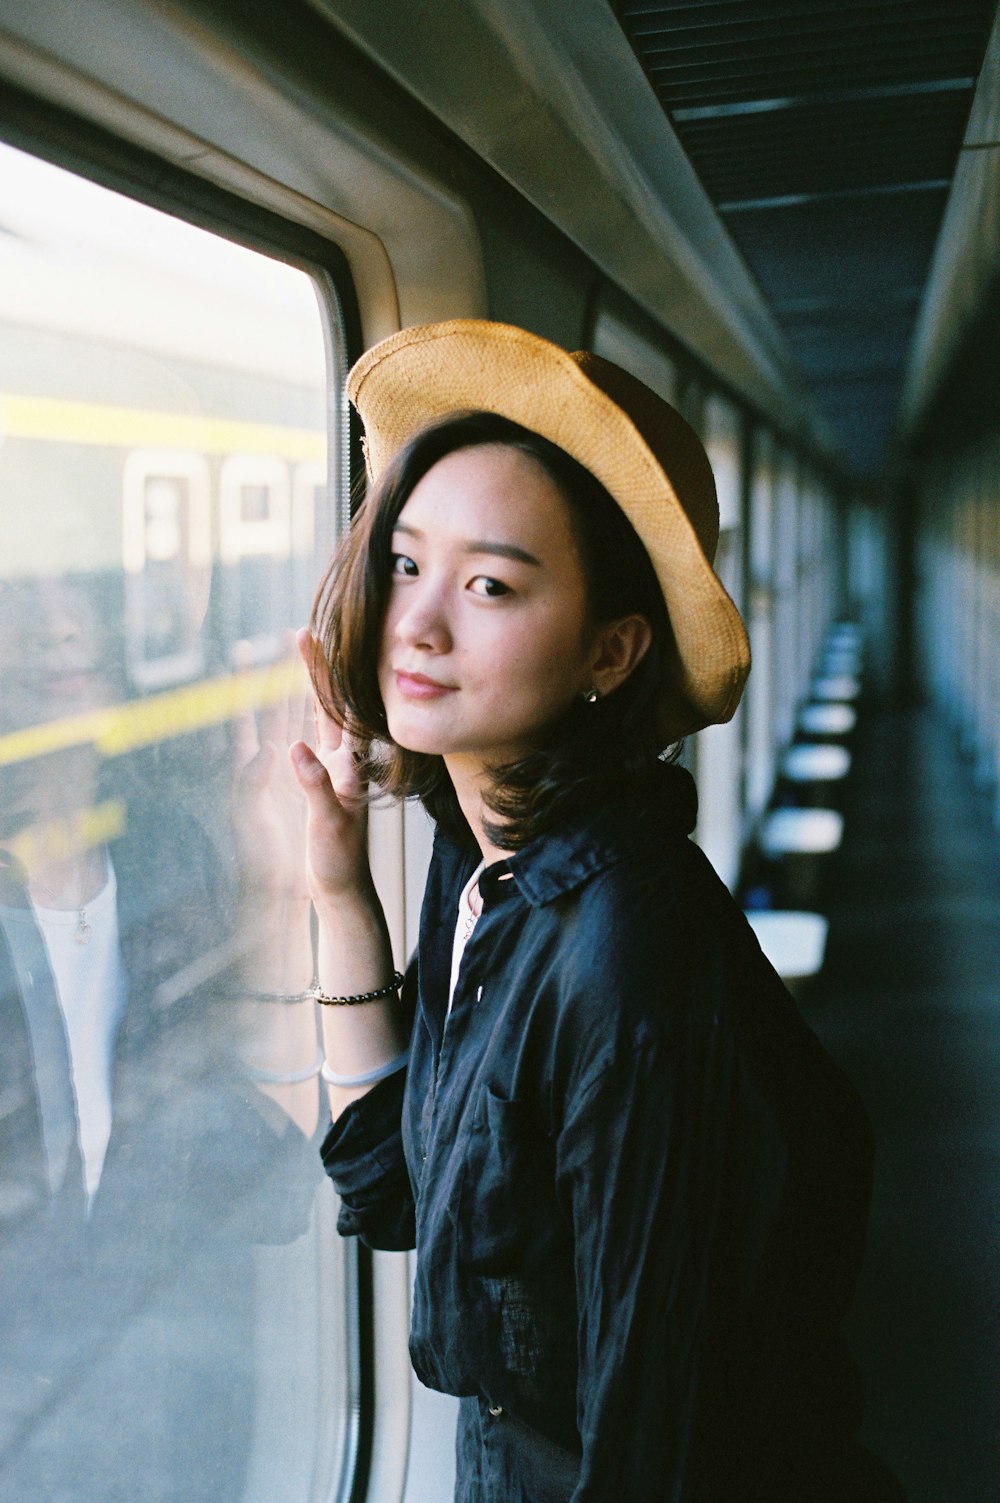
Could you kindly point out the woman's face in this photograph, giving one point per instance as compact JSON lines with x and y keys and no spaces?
{"x":51,"y":650}
{"x":487,"y":636}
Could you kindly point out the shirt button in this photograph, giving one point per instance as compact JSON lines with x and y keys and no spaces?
{"x":495,"y":1409}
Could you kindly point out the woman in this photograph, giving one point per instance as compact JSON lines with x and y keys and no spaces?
{"x":635,"y":1183}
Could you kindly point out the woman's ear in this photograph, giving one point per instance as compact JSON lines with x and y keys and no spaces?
{"x":619,"y":649}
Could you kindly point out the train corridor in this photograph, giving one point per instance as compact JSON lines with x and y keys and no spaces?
{"x":909,"y":1001}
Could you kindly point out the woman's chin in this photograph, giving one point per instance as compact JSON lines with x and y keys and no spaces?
{"x":417,"y":738}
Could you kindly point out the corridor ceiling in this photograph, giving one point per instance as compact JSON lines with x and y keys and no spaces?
{"x":826,"y":133}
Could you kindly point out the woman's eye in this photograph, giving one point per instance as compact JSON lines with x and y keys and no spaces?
{"x":399,"y":563}
{"x":484,"y":585}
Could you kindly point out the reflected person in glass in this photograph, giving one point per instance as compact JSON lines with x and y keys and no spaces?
{"x":126,"y":1231}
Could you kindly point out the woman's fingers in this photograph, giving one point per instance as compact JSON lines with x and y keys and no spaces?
{"x":310,"y":772}
{"x":311,"y":653}
{"x":348,"y":783}
{"x":332,"y":776}
{"x":336,"y":748}
{"x":329,"y":733}
{"x":336,"y":846}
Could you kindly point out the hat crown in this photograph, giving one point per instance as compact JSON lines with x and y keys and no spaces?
{"x":670,"y":438}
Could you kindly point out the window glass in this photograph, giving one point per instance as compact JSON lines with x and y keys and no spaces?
{"x":760,"y":695}
{"x":720,"y":769}
{"x":787,"y":689}
{"x":173,"y":1299}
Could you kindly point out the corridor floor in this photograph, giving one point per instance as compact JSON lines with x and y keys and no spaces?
{"x":909,"y":1002}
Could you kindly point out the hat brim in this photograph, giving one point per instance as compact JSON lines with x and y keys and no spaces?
{"x":426,"y":373}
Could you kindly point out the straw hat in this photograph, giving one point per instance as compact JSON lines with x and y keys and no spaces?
{"x":643,"y":452}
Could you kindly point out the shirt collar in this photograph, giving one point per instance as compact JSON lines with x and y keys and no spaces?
{"x":593,"y":840}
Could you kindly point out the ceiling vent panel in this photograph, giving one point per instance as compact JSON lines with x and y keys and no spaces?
{"x":827,"y":136}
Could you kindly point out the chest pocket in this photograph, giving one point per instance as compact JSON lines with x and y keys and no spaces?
{"x":509,"y":1219}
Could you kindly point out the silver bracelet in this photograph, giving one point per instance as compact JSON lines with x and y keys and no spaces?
{"x":366,"y":1077}
{"x":293,"y":1077}
{"x":290,"y":997}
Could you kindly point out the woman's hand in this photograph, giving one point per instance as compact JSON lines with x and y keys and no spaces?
{"x":336,"y":863}
{"x":268,"y":810}
{"x":354,"y":953}
{"x":276,"y":1042}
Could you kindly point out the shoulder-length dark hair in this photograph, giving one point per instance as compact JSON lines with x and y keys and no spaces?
{"x":593,"y":750}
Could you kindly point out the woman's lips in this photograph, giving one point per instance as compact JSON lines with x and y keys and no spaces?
{"x":418,"y":686}
{"x":68,"y":685}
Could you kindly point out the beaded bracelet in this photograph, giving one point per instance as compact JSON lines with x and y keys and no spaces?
{"x":366,"y":1077}
{"x":383,"y":991}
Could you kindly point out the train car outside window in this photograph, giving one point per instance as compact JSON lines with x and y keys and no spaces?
{"x":176,"y":1323}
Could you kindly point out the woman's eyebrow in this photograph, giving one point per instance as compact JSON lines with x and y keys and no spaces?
{"x":482,"y":545}
{"x":503,"y":550}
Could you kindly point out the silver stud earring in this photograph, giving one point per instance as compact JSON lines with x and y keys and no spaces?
{"x":590,"y":696}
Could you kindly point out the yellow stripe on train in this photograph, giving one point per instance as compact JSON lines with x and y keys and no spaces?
{"x":142,"y":722}
{"x":62,"y":839}
{"x":59,"y":421}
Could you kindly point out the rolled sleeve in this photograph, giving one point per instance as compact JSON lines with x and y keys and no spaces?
{"x":363,"y":1155}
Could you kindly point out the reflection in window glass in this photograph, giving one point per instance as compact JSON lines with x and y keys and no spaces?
{"x":172,"y":1297}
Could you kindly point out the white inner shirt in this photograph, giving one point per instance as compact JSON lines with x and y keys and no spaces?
{"x":90,"y":985}
{"x":464,"y":925}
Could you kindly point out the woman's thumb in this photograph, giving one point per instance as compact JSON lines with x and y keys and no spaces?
{"x":308,"y":769}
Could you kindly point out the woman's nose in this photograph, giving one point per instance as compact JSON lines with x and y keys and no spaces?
{"x":53,"y":621}
{"x":422,"y":620}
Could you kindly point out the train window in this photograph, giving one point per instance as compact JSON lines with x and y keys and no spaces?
{"x":787,"y":686}
{"x":960,"y":598}
{"x":176,"y":1319}
{"x":719,"y":762}
{"x":166,"y":559}
{"x":761,"y":760}
{"x":816,"y":584}
{"x":614,"y":338}
{"x":869,"y":581}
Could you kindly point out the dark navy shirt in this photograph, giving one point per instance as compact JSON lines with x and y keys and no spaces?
{"x":636,"y":1184}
